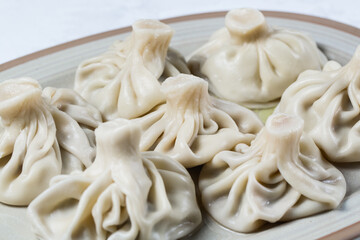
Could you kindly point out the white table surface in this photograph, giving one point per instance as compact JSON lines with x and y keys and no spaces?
{"x":28,"y":26}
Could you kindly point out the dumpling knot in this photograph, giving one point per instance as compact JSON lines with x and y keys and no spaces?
{"x":149,"y":37}
{"x":245,"y":24}
{"x":186,"y":92}
{"x":284,"y":128}
{"x":17,"y":93}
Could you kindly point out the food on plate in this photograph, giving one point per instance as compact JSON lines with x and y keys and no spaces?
{"x":124,"y":81}
{"x":124,"y":194}
{"x":126,"y":178}
{"x":329,"y":103}
{"x":282,"y":176}
{"x":37,"y":141}
{"x":250,"y":62}
{"x":191,"y":126}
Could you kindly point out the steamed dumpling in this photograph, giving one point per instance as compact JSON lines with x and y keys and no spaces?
{"x":280,"y":177}
{"x":37,"y":142}
{"x":123,"y":82}
{"x":192,"y":127}
{"x":29,"y":152}
{"x":329,"y":103}
{"x":252,"y":63}
{"x":124,"y":195}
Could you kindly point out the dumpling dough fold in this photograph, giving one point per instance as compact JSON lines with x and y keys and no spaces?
{"x":280,"y":177}
{"x":191,"y":126}
{"x":75,"y":121}
{"x":329,"y":103}
{"x":37,"y":140}
{"x":29,"y":151}
{"x":252,"y":63}
{"x":125,"y":194}
{"x":123,"y":82}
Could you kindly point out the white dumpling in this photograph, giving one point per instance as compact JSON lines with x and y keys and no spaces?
{"x":75,"y":124}
{"x":252,"y":63}
{"x":39,"y":139}
{"x":124,"y":195}
{"x":192,"y":127}
{"x":29,"y":152}
{"x":280,"y":177}
{"x":329,"y":103}
{"x":123,"y":82}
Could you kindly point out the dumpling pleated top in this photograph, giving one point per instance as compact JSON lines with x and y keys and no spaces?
{"x":39,"y":139}
{"x":124,"y":194}
{"x":282,"y":176}
{"x":124,"y":81}
{"x":191,"y":126}
{"x":250,"y":62}
{"x":329,"y":103}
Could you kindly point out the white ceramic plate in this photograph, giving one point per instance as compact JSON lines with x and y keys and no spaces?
{"x":56,"y":67}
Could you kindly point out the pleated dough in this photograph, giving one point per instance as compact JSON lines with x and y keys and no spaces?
{"x":192,"y":127}
{"x":123,"y":82}
{"x":124,"y":195}
{"x":37,"y":141}
{"x":29,"y":152}
{"x":280,"y":177}
{"x":75,"y":124}
{"x":252,"y":63}
{"x":329,"y":103}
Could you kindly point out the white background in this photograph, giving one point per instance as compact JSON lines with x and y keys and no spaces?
{"x":27,"y":26}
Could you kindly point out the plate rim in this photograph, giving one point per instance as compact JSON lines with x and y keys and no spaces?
{"x":347,"y":232}
{"x":278,"y":14}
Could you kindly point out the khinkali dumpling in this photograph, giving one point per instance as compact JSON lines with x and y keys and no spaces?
{"x":124,"y":195}
{"x":252,"y":63}
{"x":191,"y":126}
{"x":37,"y":142}
{"x":280,"y":177}
{"x":329,"y":103}
{"x":123,"y":82}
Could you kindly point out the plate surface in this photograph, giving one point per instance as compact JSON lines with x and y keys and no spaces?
{"x":56,"y":67}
